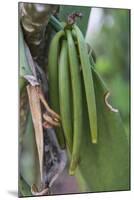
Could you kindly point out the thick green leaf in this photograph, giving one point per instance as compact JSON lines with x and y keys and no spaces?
{"x":29,"y":162}
{"x":24,"y":68}
{"x":24,"y":188}
{"x":104,"y":166}
{"x":82,"y":23}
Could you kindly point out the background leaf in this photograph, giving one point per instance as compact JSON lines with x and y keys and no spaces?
{"x":104,"y":166}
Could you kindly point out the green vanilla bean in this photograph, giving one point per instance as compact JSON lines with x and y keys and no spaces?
{"x":88,"y":82}
{"x":54,"y":79}
{"x":77,"y":101}
{"x":65,"y":96}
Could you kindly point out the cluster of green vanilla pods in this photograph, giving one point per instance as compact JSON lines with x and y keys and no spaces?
{"x":68,"y":67}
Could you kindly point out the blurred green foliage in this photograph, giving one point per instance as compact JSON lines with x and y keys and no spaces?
{"x":112,"y":46}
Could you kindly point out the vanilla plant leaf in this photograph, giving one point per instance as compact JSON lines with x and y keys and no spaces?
{"x":104,"y":166}
{"x":29,"y":168}
{"x":24,"y":68}
{"x":24,"y":188}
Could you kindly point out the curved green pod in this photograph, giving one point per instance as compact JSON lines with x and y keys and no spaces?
{"x":77,"y":101}
{"x":65,"y":96}
{"x":88,"y":83}
{"x":53,"y":80}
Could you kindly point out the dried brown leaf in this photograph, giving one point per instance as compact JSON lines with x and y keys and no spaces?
{"x":50,"y":120}
{"x":35,"y":107}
